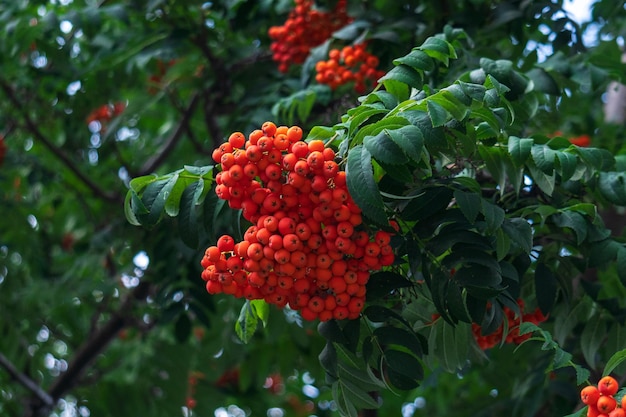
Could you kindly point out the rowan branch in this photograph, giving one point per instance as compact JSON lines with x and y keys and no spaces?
{"x":27,"y":382}
{"x":34,"y":130}
{"x":153,"y":163}
{"x":92,"y":347}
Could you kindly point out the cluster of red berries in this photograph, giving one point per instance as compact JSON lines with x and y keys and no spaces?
{"x":3,"y":149}
{"x":513,"y":335}
{"x":105,"y":113}
{"x":306,"y":246}
{"x":601,"y":400}
{"x":192,"y":381}
{"x":350,"y":64}
{"x":304,"y":29}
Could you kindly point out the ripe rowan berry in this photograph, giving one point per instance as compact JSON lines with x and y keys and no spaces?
{"x":608,"y":385}
{"x":606,"y":404}
{"x":590,"y":395}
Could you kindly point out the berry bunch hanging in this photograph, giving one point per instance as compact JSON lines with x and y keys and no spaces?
{"x":601,"y":399}
{"x":350,"y":64}
{"x":306,"y":247}
{"x":305,"y":28}
{"x":105,"y":113}
{"x":513,"y":323}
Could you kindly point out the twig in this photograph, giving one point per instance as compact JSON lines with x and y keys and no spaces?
{"x":26,"y":381}
{"x":86,"y":353}
{"x":153,"y":163}
{"x":32,"y":127}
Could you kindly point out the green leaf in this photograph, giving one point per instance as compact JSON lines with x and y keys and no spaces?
{"x":391,"y":335}
{"x":405,"y":365}
{"x":545,"y":287}
{"x":519,"y":149}
{"x":358,"y":393}
{"x":247,"y":323}
{"x":344,"y":404}
{"x":438,"y":49}
{"x":438,"y":114}
{"x":362,"y":186}
{"x":614,"y":361}
{"x":381,"y":284}
{"x":494,"y":215}
{"x":182,"y":328}
{"x":404,"y":74}
{"x":469,"y":203}
{"x":546,"y":182}
{"x":416,"y":59}
{"x":592,"y":338}
{"x":430,"y":201}
{"x":621,"y":264}
{"x":612,"y":186}
{"x":520,"y":232}
{"x":384,"y":149}
{"x":261,"y":310}
{"x":410,"y":139}
{"x":446,"y":99}
{"x":544,"y":157}
{"x":574,"y":221}
{"x":188,"y":215}
{"x":494,"y":158}
{"x":328,"y":359}
{"x":567,"y":165}
{"x":155,"y":197}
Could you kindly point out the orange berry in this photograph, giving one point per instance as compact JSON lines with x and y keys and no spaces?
{"x":608,"y":385}
{"x":606,"y":404}
{"x":589,"y":395}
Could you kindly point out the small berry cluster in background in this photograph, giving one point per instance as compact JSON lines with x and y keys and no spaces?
{"x":350,"y":64}
{"x":307,"y":246}
{"x":105,"y":113}
{"x":513,"y":321}
{"x":305,"y":28}
{"x":582,"y":141}
{"x":3,"y":149}
{"x":192,"y":381}
{"x":601,"y":399}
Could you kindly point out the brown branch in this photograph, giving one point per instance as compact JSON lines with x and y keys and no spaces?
{"x":32,"y":127}
{"x":92,"y":347}
{"x":28,"y":383}
{"x":153,"y":163}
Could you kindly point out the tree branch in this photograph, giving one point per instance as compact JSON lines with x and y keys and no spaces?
{"x":23,"y":379}
{"x":87,"y":353}
{"x":153,"y":163}
{"x":32,"y":128}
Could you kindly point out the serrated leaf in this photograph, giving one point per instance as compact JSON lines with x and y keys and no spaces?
{"x":544,"y":157}
{"x":574,"y":221}
{"x":382,"y":283}
{"x":612,"y":186}
{"x":438,"y":49}
{"x":416,"y":59}
{"x":519,"y":149}
{"x":188,"y":214}
{"x":503,"y":244}
{"x":438,"y":114}
{"x":404,"y":74}
{"x":134,"y":208}
{"x":155,"y":197}
{"x":380,"y":314}
{"x":261,"y":310}
{"x":567,"y":165}
{"x":328,"y":359}
{"x":494,"y":160}
{"x":384,"y":149}
{"x":391,"y":335}
{"x":247,"y":323}
{"x":469,"y":203}
{"x":446,"y":99}
{"x":546,"y":182}
{"x":520,"y":232}
{"x":404,"y":364}
{"x":364,"y":379}
{"x":410,"y":139}
{"x":139,"y":183}
{"x":494,"y":215}
{"x":362,"y":186}
{"x":344,"y":404}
